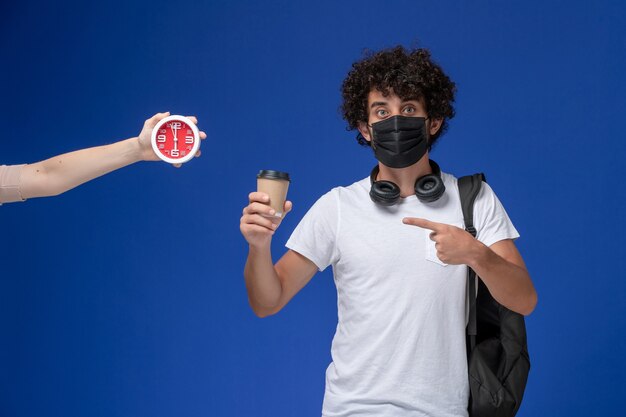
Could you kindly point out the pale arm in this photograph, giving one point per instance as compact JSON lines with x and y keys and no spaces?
{"x":64,"y":172}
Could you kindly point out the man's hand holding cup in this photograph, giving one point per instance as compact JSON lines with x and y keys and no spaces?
{"x":267,"y":208}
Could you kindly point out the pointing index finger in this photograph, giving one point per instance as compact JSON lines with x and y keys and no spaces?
{"x":423,"y":223}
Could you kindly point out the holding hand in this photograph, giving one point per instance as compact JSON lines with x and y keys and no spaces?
{"x":259,"y":221}
{"x":454,"y":245}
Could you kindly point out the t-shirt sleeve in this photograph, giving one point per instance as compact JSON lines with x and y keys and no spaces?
{"x":491,"y":221}
{"x":10,"y":183}
{"x":315,"y":236}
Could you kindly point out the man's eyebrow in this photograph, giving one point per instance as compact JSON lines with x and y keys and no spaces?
{"x":378,"y":103}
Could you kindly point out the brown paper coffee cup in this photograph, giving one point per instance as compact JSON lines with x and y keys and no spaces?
{"x":275,"y":184}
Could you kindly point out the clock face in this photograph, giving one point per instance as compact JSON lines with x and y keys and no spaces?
{"x":175,"y":139}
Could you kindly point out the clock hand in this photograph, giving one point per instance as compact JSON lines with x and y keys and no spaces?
{"x":175,"y":138}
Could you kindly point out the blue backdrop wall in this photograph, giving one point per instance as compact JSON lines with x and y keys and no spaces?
{"x":111,"y":305}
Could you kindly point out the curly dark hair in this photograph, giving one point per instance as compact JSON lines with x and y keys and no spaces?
{"x":411,"y":75}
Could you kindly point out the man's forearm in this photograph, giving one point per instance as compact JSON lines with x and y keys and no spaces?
{"x":508,"y":283}
{"x":64,"y":172}
{"x":262,"y":281}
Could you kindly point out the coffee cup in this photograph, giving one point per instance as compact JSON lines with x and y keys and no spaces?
{"x":274,"y":184}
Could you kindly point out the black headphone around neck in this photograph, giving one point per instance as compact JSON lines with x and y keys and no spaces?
{"x":428,"y":188}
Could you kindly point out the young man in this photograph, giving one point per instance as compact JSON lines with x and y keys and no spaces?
{"x":399,"y":261}
{"x":64,"y":172}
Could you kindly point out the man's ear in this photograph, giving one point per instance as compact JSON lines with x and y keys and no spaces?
{"x":435,"y":125}
{"x":365,"y":132}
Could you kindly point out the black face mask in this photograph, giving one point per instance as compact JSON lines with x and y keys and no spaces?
{"x":399,"y":141}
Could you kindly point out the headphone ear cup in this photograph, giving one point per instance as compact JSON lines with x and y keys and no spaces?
{"x":429,"y":188}
{"x":385,"y":193}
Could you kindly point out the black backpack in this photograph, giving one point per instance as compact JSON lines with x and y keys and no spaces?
{"x":498,"y":361}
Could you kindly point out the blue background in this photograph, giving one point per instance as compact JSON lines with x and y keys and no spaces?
{"x":125,"y":296}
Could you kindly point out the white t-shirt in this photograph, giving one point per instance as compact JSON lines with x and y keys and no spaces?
{"x":399,"y":347}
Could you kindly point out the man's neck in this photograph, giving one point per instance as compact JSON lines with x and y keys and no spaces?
{"x":405,"y":177}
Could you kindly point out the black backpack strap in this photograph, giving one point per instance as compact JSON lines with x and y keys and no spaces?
{"x":469,"y":187}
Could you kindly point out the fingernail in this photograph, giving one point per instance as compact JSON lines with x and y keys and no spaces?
{"x":272,"y":212}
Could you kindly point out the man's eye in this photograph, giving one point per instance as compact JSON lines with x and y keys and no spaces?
{"x":409,"y":110}
{"x":381,"y":113}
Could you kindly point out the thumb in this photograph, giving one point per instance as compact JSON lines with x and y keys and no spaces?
{"x":151,"y":122}
{"x":287,"y":207}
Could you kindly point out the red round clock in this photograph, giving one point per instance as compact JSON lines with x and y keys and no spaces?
{"x":175,"y":139}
